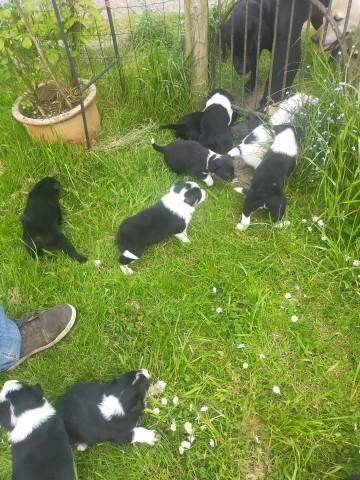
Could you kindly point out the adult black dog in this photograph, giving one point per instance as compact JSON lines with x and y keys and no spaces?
{"x":248,"y":19}
{"x":41,"y":220}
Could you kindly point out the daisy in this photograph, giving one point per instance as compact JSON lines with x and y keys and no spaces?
{"x":181,"y":450}
{"x":219,"y":310}
{"x":212,"y":442}
{"x":203,"y":427}
{"x":204,"y":408}
{"x":191,"y":438}
{"x":188,"y":427}
{"x":185,"y":444}
{"x":276,"y":389}
{"x":245,"y":365}
{"x":164,"y":401}
{"x":214,"y":289}
{"x":175,"y":400}
{"x":173,"y":426}
{"x":241,"y":345}
{"x":356,"y":263}
{"x":287,"y":296}
{"x":315,"y":219}
{"x":156,"y":411}
{"x":294,"y":318}
{"x":97,"y":263}
{"x":262,"y":355}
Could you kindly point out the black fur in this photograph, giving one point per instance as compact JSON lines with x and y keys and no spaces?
{"x":188,"y":126}
{"x":285,"y":26}
{"x":45,"y":453}
{"x":82,"y":417}
{"x":183,"y":155}
{"x":41,"y":220}
{"x":215,"y":124}
{"x":269,"y":177}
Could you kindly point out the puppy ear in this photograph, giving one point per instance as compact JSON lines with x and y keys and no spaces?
{"x":192,"y":196}
{"x":5,"y":418}
{"x":137,"y":405}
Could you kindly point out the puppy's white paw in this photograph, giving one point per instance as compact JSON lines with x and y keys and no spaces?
{"x":242,"y":226}
{"x":209,"y":181}
{"x":239,"y":189}
{"x":234,"y":152}
{"x":182,"y":237}
{"x":81,"y":447}
{"x":157,"y":388}
{"x":143,"y":435}
{"x":126,"y":270}
{"x":283,"y":224}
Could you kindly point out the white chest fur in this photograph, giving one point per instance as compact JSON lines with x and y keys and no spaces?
{"x":27,"y":422}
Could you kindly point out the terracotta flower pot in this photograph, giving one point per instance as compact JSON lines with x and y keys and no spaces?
{"x":67,"y":126}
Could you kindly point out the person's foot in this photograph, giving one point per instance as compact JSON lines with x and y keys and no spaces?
{"x":41,"y":330}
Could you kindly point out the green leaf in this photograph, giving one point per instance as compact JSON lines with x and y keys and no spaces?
{"x":26,"y":43}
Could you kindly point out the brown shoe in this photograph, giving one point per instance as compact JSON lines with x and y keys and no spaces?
{"x":41,"y":330}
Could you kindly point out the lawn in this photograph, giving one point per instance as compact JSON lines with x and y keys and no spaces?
{"x":222,"y":320}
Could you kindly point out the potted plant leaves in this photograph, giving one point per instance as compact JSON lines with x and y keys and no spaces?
{"x":33,"y":56}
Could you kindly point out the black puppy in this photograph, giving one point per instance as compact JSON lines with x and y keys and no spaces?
{"x":216,"y":120}
{"x":41,"y":220}
{"x":40,"y":447}
{"x":170,"y":216}
{"x":184,"y":155}
{"x":269,"y":177}
{"x":188,"y":126}
{"x":246,"y":20}
{"x":93,"y":412}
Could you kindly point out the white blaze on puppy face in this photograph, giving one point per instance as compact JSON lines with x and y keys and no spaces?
{"x":111,"y":407}
{"x":9,"y":386}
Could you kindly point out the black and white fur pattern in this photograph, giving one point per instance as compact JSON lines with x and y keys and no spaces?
{"x":269,"y":177}
{"x":41,"y":220}
{"x":94,"y":412}
{"x":170,"y":216}
{"x":183,"y":155}
{"x":255,"y":145}
{"x":40,"y":447}
{"x":216,"y":120}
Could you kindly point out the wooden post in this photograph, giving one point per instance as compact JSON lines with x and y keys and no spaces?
{"x":196,"y":42}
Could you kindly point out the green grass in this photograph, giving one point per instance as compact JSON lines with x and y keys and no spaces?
{"x":164,"y":317}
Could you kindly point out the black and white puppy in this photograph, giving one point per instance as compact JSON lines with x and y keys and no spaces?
{"x":183,"y":155}
{"x":269,"y":177}
{"x":41,"y":220}
{"x":170,"y":216}
{"x":94,"y":412}
{"x":255,"y":145}
{"x":188,"y":126}
{"x":39,"y":444}
{"x":216,"y":120}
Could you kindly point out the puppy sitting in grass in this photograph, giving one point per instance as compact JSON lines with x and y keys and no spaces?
{"x":41,"y":220}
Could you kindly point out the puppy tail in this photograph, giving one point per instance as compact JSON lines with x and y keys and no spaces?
{"x":156,"y":147}
{"x":171,"y":126}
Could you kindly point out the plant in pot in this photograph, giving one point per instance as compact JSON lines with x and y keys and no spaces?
{"x":33,"y":56}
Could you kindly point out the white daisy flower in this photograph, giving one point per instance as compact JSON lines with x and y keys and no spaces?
{"x":321,"y":223}
{"x":181,"y":450}
{"x":219,"y":310}
{"x":245,"y":365}
{"x":304,"y":220}
{"x":294,"y":318}
{"x":173,"y":426}
{"x":323,"y":237}
{"x":347,"y":259}
{"x":214,"y":290}
{"x":156,"y":411}
{"x":262,"y":355}
{"x":203,"y":427}
{"x":212,"y":442}
{"x":287,"y":296}
{"x":191,"y":438}
{"x":164,"y":401}
{"x":310,"y":229}
{"x":175,"y":400}
{"x":241,"y":345}
{"x":204,"y":409}
{"x":188,"y":427}
{"x":190,"y":407}
{"x":356,"y":263}
{"x":315,"y":219}
{"x":276,"y":389}
{"x":97,"y":263}
{"x":185,"y":444}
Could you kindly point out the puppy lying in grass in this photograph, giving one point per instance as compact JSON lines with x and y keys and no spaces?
{"x":183,"y":155}
{"x":41,"y":220}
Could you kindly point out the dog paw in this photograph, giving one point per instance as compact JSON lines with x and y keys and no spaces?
{"x":242,"y":226}
{"x":81,"y":447}
{"x":126,"y":270}
{"x":209,"y":181}
{"x":143,"y":435}
{"x":234,"y":152}
{"x":157,"y":388}
{"x":182,"y":237}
